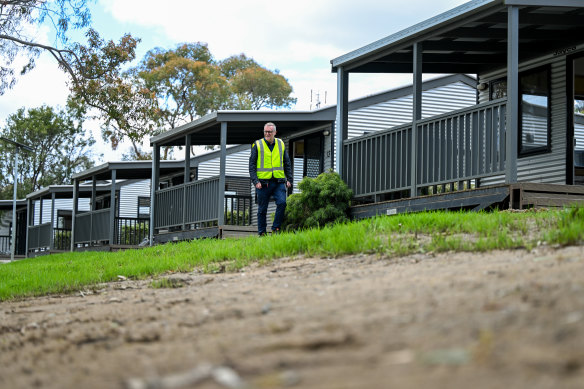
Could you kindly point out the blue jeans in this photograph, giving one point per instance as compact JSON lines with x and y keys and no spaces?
{"x":278,"y":190}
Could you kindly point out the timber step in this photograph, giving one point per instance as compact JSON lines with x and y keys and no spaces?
{"x":228,"y":231}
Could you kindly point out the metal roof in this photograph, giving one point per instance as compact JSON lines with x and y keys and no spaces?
{"x":472,"y":38}
{"x":6,"y":205}
{"x":66,"y":191}
{"x":127,"y":170}
{"x":243,"y":127}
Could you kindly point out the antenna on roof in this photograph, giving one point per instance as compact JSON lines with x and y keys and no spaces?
{"x":317,"y":99}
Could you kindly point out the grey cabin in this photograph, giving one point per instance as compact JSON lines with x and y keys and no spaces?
{"x":521,"y":145}
{"x":6,"y":230}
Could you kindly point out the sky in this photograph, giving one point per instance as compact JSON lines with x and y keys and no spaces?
{"x":298,"y":38}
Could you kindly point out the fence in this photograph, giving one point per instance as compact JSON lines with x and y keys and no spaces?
{"x":131,"y":230}
{"x":455,"y":147}
{"x":238,"y":210}
{"x":5,"y":244}
{"x":92,"y":226}
{"x":194,"y":202}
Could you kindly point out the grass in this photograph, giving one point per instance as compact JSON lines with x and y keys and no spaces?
{"x":385,"y":236}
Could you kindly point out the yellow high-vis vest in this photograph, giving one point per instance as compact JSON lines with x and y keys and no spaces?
{"x":270,"y":163}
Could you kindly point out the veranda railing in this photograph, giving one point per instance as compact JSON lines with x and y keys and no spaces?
{"x":455,"y":147}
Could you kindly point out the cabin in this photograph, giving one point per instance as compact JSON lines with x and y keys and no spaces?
{"x":48,"y":218}
{"x":6,"y":214}
{"x":124,"y":222}
{"x":198,"y":208}
{"x":519,"y":146}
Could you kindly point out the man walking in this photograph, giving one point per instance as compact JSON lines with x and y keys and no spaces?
{"x":271,"y":172}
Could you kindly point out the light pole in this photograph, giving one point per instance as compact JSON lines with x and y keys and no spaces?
{"x":18,"y":147}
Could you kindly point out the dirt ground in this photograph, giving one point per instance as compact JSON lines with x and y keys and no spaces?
{"x":506,"y":319}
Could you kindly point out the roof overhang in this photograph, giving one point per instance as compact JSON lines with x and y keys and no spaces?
{"x":6,"y":205}
{"x":127,"y":170}
{"x":243,"y":127}
{"x":66,"y":192}
{"x":472,"y":38}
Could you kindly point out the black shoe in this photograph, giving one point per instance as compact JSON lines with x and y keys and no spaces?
{"x":276,"y":230}
{"x":262,"y":234}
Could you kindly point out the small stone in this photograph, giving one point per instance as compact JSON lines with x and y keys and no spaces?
{"x":122,"y":278}
{"x":452,"y":356}
{"x":266,"y":309}
{"x":227,"y":377}
{"x":290,"y":378}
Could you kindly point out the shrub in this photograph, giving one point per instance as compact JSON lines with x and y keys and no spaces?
{"x":323,"y":200}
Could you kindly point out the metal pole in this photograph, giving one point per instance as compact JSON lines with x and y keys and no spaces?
{"x":13,"y":248}
{"x":222,"y":170}
{"x":512,"y":94}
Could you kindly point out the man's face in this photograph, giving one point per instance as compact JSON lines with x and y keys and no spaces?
{"x":269,"y":133}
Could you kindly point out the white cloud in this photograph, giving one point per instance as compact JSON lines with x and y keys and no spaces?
{"x":45,"y":85}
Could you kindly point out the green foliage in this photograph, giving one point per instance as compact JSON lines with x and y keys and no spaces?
{"x":322,"y":201}
{"x":256,"y":87}
{"x":133,"y":234}
{"x":384,"y":236}
{"x":238,"y":218}
{"x":60,"y":146}
{"x":570,"y":227}
{"x":186,"y":81}
{"x":127,"y":109}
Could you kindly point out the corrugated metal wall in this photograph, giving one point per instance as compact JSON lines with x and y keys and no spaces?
{"x":60,"y":204}
{"x":237,"y":164}
{"x":547,"y":168}
{"x":5,"y":220}
{"x":129,"y":194}
{"x":398,"y":111}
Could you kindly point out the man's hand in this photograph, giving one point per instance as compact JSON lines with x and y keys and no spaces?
{"x":288,"y":184}
{"x":258,"y":185}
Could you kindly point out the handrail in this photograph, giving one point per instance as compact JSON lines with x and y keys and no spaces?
{"x":131,"y":230}
{"x":5,"y":243}
{"x":39,"y":236}
{"x":185,"y":204}
{"x":92,"y":226}
{"x":238,"y":210}
{"x":427,"y":120}
{"x":454,"y":147}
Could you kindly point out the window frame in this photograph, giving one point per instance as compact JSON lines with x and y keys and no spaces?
{"x":547,"y":148}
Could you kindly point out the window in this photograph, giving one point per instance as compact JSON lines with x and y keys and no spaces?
{"x":534,"y":109}
{"x":534,"y":112}
{"x":143,"y":207}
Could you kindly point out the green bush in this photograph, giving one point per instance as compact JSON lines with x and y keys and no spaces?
{"x":323,"y":200}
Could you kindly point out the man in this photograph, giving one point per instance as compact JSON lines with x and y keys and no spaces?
{"x":271,"y":172}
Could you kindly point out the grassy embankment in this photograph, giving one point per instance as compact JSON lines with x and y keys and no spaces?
{"x":385,"y":236}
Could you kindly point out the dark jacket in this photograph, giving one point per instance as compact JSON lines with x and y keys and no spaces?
{"x":253,"y":165}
